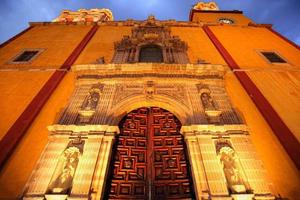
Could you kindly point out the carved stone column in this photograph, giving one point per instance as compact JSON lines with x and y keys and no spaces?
{"x":90,"y":174}
{"x":101,"y":170}
{"x":197,"y":168}
{"x":208,"y":175}
{"x":37,"y":185}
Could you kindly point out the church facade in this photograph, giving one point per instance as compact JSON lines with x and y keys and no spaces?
{"x":150,"y":109}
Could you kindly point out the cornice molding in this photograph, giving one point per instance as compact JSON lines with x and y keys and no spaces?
{"x":129,"y":22}
{"x":198,"y":129}
{"x":83,"y":129}
{"x":193,"y":71}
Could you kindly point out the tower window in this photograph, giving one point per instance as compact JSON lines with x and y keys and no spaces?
{"x":27,"y":55}
{"x":273,"y":57}
{"x":151,"y":53}
{"x":226,"y":21}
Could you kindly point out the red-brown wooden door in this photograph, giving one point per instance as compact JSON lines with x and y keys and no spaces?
{"x":149,"y":158}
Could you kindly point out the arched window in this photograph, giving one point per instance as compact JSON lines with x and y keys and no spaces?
{"x":151,"y":42}
{"x":151,"y":53}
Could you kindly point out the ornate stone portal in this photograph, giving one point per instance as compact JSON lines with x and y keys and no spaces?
{"x":186,"y":90}
{"x":75,"y":162}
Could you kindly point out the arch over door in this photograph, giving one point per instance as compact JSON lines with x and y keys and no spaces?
{"x":149,"y":158}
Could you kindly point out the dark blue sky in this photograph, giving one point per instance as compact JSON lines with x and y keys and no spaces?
{"x":15,"y":14}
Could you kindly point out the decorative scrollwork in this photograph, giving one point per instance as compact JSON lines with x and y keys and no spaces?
{"x":151,"y":32}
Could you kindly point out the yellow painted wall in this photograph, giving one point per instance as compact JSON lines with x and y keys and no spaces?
{"x":19,"y":86}
{"x":19,"y":167}
{"x":279,"y":83}
{"x":244,"y":44}
{"x":239,"y":19}
{"x":102,"y":44}
{"x":199,"y":45}
{"x":58,"y":41}
{"x":17,"y":89}
{"x":282,"y":90}
{"x":279,"y":167}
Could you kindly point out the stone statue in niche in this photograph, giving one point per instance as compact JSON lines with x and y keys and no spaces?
{"x":207,"y":101}
{"x":91,"y":101}
{"x":61,"y":182}
{"x":212,"y":112}
{"x":232,"y":169}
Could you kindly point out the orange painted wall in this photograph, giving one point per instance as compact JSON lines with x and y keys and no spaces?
{"x":239,"y":19}
{"x":280,"y":169}
{"x":58,"y":41}
{"x":102,"y":44}
{"x":199,"y":45}
{"x":18,"y":84}
{"x":278,"y":82}
{"x":17,"y":89}
{"x":19,"y":167}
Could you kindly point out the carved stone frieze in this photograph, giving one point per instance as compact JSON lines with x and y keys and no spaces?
{"x":152,"y":84}
{"x":175,"y":91}
{"x":126,"y":91}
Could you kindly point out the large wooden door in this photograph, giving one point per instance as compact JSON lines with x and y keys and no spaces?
{"x":149,"y":159}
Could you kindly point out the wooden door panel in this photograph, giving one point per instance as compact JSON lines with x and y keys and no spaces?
{"x":171,"y":178}
{"x":149,"y":158}
{"x":129,"y":169}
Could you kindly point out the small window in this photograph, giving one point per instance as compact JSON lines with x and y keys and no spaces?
{"x":273,"y":57}
{"x":26,"y":56}
{"x":151,"y":53}
{"x":226,"y":21}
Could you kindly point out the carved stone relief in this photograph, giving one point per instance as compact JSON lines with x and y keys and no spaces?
{"x":149,"y":90}
{"x":232,"y":168}
{"x":90,"y":103}
{"x":151,"y":32}
{"x":61,"y":181}
{"x":208,"y":104}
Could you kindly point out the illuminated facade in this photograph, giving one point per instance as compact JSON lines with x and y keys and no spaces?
{"x":150,"y":109}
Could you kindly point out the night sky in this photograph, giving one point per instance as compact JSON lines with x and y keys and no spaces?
{"x":15,"y":14}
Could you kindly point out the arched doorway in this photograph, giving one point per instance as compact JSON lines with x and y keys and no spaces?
{"x":149,"y":158}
